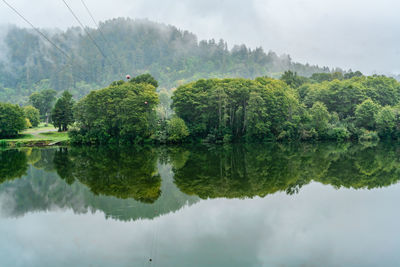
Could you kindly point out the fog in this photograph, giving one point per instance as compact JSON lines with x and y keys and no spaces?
{"x":356,"y":34}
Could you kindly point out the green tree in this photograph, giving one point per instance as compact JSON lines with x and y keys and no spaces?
{"x":12,"y":120}
{"x":33,"y":115}
{"x":365,"y":114}
{"x":145,"y":78}
{"x":122,"y":112}
{"x":320,"y":117}
{"x":338,"y":96}
{"x":177,"y":130}
{"x":222,"y":109}
{"x":62,"y":115}
{"x":387,"y":121}
{"x":382,"y":90}
{"x":292,"y":79}
{"x":352,"y":74}
{"x":43,"y":101}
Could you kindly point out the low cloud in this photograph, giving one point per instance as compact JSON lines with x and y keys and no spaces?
{"x":362,"y":35}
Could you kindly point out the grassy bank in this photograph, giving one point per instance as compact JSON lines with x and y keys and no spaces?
{"x":37,"y":136}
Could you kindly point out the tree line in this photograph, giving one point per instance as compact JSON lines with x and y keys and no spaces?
{"x":325,"y":106}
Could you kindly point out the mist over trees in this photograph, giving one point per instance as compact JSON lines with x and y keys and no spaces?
{"x":174,"y":57}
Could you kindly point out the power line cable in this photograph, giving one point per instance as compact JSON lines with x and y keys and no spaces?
{"x":36,"y":29}
{"x":87,"y":32}
{"x":102,"y":34}
{"x":45,"y":37}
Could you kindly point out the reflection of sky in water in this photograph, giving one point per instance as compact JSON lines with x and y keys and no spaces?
{"x":319,"y":226}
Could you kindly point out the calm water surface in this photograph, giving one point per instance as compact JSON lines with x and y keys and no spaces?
{"x":255,"y":205}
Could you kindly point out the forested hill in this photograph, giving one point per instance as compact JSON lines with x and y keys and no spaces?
{"x":29,"y":63}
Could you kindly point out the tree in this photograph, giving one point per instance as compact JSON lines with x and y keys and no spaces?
{"x":338,"y":96}
{"x":33,"y":115}
{"x":62,"y":115}
{"x":43,"y":101}
{"x":365,"y":114}
{"x":382,"y":90}
{"x":292,"y":79}
{"x":386,"y":121}
{"x":145,"y":78}
{"x":12,"y":120}
{"x":320,"y":117}
{"x":177,"y":130}
{"x":352,"y":74}
{"x":122,"y":112}
{"x":222,"y":109}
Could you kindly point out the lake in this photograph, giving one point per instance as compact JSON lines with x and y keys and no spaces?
{"x":239,"y":205}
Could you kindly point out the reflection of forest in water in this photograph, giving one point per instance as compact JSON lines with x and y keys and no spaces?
{"x":132,"y":183}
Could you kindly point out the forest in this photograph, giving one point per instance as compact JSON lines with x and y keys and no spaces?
{"x":325,"y":106}
{"x":28,"y":63}
{"x":172,"y":88}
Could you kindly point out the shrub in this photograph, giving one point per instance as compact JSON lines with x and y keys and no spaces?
{"x":177,"y":130}
{"x":339,"y":133}
{"x":368,"y":136}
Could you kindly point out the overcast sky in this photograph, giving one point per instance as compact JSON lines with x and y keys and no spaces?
{"x":357,"y":34}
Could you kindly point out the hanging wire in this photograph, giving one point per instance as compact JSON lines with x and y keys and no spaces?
{"x":103,"y":36}
{"x":48,"y":40}
{"x":87,"y":32}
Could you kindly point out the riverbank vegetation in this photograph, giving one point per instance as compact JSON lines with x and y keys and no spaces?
{"x":37,"y":136}
{"x":324,"y":106}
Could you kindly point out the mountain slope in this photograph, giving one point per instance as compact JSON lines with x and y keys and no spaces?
{"x":171,"y":55}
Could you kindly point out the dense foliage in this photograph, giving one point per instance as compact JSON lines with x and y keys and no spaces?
{"x":124,"y":112}
{"x":12,"y":120}
{"x":133,"y":47}
{"x":325,"y":106}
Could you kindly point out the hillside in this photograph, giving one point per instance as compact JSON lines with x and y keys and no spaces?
{"x":29,"y":63}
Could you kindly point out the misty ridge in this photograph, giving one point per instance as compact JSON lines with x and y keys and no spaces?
{"x":28,"y":63}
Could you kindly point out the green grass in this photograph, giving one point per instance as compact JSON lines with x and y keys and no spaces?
{"x":39,"y":136}
{"x":63,"y":136}
{"x":41,"y":127}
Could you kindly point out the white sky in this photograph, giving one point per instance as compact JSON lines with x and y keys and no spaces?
{"x":357,"y":34}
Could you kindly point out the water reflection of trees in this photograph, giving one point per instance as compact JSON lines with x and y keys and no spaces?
{"x":13,"y":164}
{"x":254,"y":170}
{"x":123,"y":173}
{"x":221,"y":171}
{"x":123,"y":183}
